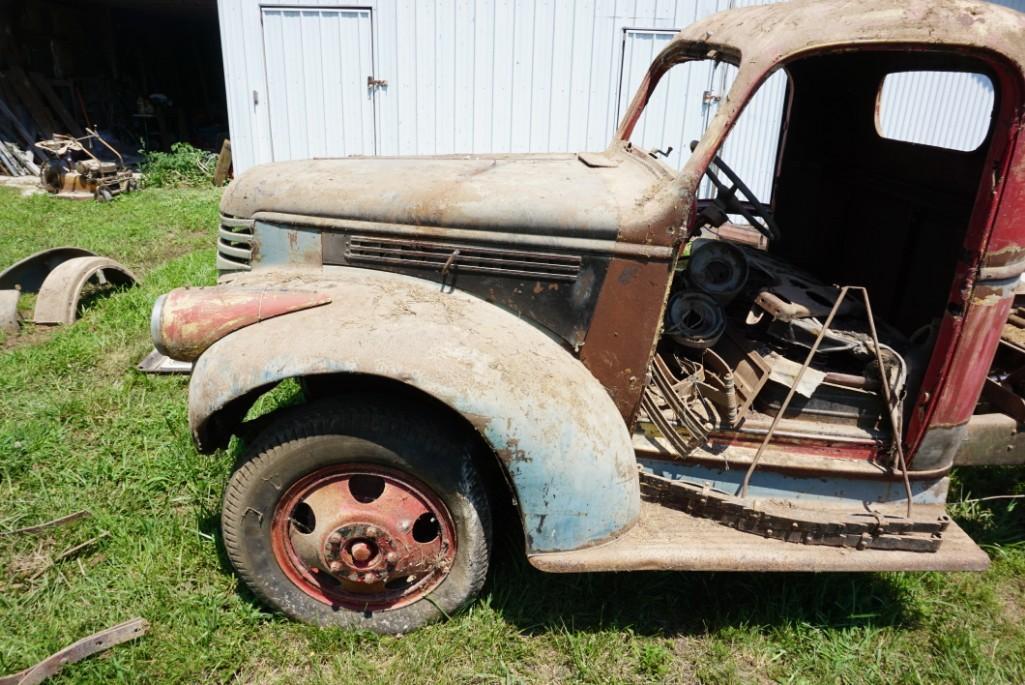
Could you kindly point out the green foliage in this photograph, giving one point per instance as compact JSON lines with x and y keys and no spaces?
{"x":80,"y":428}
{"x":183,"y":167}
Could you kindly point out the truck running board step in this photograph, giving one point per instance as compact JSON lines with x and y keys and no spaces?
{"x":666,"y":539}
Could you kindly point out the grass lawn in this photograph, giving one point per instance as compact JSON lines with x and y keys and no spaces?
{"x":81,"y":429}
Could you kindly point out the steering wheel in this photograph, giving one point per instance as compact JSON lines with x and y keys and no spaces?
{"x":748,"y":206}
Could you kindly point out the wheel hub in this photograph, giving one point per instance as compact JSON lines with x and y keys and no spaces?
{"x":361,"y":553}
{"x":363,"y":536}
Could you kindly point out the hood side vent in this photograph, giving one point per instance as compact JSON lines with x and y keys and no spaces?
{"x":455,"y":258}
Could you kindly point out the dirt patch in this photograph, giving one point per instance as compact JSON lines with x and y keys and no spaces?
{"x":30,"y":334}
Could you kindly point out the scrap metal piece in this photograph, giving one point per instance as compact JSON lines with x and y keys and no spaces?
{"x":28,"y":274}
{"x":862,"y":530}
{"x":58,"y":297}
{"x":70,"y":518}
{"x":86,"y":647}
{"x":158,"y":363}
{"x":9,"y":311}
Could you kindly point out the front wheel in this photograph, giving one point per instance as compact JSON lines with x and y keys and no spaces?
{"x":359,"y":515}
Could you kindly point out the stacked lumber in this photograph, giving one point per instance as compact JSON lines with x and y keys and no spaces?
{"x":30,"y":110}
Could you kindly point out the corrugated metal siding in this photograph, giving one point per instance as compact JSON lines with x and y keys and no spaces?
{"x":465,"y":75}
{"x":488,"y":75}
{"x":944,"y":109}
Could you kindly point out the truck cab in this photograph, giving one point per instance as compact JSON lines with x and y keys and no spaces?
{"x":659,"y":369}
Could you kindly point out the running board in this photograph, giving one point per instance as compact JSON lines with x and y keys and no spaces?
{"x":669,"y":540}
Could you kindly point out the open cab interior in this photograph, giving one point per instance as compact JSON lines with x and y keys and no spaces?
{"x":765,"y":356}
{"x":828,"y":319}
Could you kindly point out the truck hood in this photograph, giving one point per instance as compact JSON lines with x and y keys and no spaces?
{"x":549,"y":194}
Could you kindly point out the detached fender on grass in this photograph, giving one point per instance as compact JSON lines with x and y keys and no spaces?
{"x":58,"y":275}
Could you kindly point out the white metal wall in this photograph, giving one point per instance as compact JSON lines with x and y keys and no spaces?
{"x":480,"y":76}
{"x":465,"y":75}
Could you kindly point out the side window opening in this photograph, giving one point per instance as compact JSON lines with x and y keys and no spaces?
{"x":946,"y":109}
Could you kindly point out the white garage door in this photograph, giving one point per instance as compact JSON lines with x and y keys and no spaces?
{"x":317,"y":63}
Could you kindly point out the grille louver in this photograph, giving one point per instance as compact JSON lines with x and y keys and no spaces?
{"x":234,"y":244}
{"x":462,"y":258}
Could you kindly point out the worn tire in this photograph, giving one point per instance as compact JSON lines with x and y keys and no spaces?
{"x":399,"y":436}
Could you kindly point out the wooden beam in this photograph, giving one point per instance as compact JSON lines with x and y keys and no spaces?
{"x":26,"y":94}
{"x":223,"y":164}
{"x":70,"y":125}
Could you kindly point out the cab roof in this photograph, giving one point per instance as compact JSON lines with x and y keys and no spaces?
{"x":770,"y":34}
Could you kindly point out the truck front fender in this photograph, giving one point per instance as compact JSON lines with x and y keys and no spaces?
{"x":563,"y":444}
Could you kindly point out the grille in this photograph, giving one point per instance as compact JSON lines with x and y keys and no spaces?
{"x":462,"y":258}
{"x":234,"y":244}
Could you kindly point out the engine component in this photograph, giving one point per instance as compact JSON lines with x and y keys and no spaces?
{"x":718,"y":268}
{"x":695,"y":320}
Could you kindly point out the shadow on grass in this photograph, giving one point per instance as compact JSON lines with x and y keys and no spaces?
{"x":666,"y":603}
{"x":690,"y":603}
{"x":995,"y":522}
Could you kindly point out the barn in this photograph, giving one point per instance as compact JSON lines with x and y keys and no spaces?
{"x":403,"y":77}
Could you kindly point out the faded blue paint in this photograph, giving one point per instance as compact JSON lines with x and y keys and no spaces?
{"x":279,"y":246}
{"x":831,"y":491}
{"x":562,"y":441}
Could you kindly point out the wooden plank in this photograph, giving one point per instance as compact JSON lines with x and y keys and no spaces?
{"x":26,"y":94}
{"x":7,"y":161}
{"x":223,"y":164}
{"x":68,"y":121}
{"x":24,"y":158}
{"x":23,"y":132}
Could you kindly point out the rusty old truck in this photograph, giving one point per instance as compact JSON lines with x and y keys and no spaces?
{"x":655,"y":375}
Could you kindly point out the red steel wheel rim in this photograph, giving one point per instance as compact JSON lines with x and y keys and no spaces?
{"x":363,"y":537}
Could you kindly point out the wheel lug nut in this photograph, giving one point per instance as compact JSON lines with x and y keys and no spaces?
{"x":371,"y":531}
{"x":334,"y":538}
{"x":361,"y":551}
{"x":392,"y":557}
{"x":335,"y":566}
{"x":370,"y":578}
